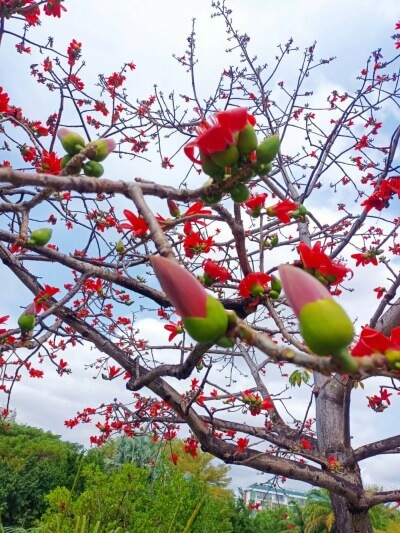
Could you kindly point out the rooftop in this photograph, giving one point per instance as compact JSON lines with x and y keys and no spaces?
{"x":266,"y":487}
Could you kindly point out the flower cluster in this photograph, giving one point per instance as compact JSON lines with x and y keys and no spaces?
{"x":317,"y":263}
{"x":213,"y":272}
{"x":228,"y":147}
{"x":384,"y":192}
{"x":255,"y":403}
{"x":30,"y":10}
{"x":375,"y":402}
{"x":95,"y":151}
{"x":254,"y":284}
{"x":372,"y":341}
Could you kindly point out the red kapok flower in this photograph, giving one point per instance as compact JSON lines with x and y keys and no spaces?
{"x":380,"y":291}
{"x":43,"y":296}
{"x":196,"y":209}
{"x":73,"y":51}
{"x":242,"y":444}
{"x":136,"y":224}
{"x":215,"y":272}
{"x":316,"y":261}
{"x":175,"y":329}
{"x":282,"y":210}
{"x":255,"y":203}
{"x":254,"y":284}
{"x":49,"y":164}
{"x":367,"y":258}
{"x":219,"y":134}
{"x":372,"y":341}
{"x":195,"y":244}
{"x":306,"y":445}
{"x":4,"y":99}
{"x":53,"y":8}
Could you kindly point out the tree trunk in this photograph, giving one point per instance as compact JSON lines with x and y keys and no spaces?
{"x":349,"y":521}
{"x":333,"y":434}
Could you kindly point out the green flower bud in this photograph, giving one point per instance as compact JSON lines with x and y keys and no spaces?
{"x":119,"y":247}
{"x":225,"y":342}
{"x":173,"y":208}
{"x":257,"y":291}
{"x":40,"y":237}
{"x":103,"y":148}
{"x":65,"y":160}
{"x":211,"y":198}
{"x":262,"y":169}
{"x":393,"y":357}
{"x":210,"y":168}
{"x":239,"y":193}
{"x":93,"y":169}
{"x":27,"y":320}
{"x":274,"y":295}
{"x":268,"y":149}
{"x":72,"y":142}
{"x":325,"y":327}
{"x":274,"y":239}
{"x":276,"y":284}
{"x":227,"y":157}
{"x":247,"y":140}
{"x":212,"y":326}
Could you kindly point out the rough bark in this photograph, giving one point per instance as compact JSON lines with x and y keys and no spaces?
{"x":333,"y":433}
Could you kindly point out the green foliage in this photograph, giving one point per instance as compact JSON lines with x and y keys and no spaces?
{"x":298,"y":377}
{"x":270,"y":521}
{"x":242,"y":520}
{"x":140,"y":450}
{"x":125,"y":498}
{"x":32,"y":462}
{"x":203,"y":467}
{"x":384,"y":519}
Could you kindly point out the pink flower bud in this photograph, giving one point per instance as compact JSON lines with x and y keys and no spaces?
{"x":71,"y":141}
{"x":324,"y":325}
{"x":103,"y":148}
{"x":204,"y":317}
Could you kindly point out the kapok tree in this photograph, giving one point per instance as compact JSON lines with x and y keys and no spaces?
{"x":270,"y":156}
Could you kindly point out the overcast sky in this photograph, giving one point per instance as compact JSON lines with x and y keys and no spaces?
{"x":149,"y":33}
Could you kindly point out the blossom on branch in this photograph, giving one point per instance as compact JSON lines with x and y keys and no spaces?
{"x":324,"y":325}
{"x":54,"y":8}
{"x":282,"y":210}
{"x":137,"y":225}
{"x":49,"y":164}
{"x":174,"y":329}
{"x":214,"y":272}
{"x":43,"y":296}
{"x":203,"y":317}
{"x":255,"y":204}
{"x":218,"y":134}
{"x":317,"y":263}
{"x":254,"y":284}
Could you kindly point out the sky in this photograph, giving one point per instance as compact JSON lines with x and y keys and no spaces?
{"x":149,"y":33}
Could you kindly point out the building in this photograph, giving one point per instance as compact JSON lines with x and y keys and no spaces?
{"x":267,"y":496}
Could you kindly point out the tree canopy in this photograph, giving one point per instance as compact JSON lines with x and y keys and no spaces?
{"x":268,"y":227}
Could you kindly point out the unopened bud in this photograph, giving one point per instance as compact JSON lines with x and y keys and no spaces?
{"x":174,"y":210}
{"x":268,"y":149}
{"x":40,"y":237}
{"x":103,"y":148}
{"x":71,"y":141}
